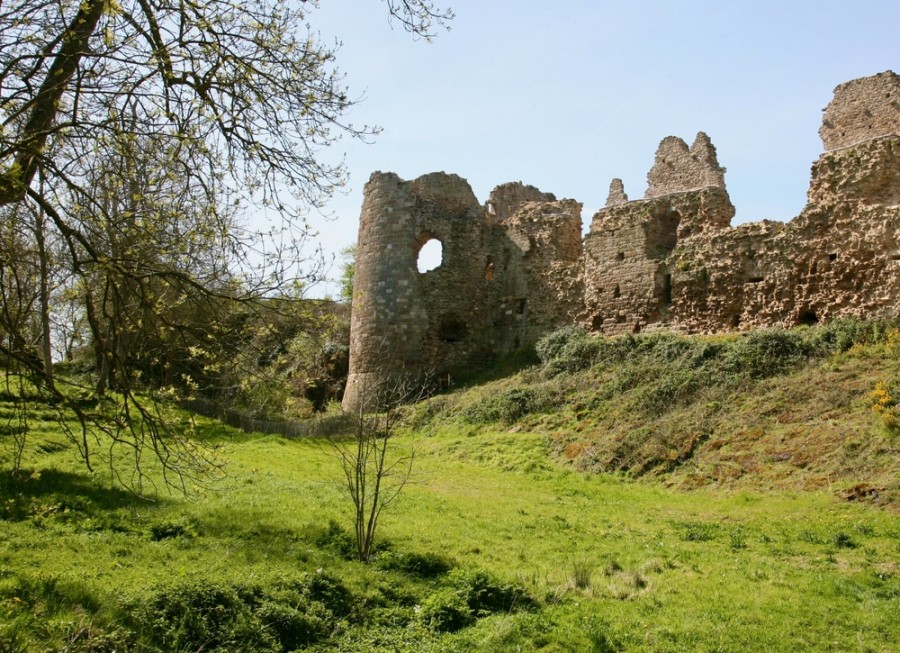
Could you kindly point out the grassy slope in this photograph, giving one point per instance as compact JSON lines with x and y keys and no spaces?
{"x":765,"y":558}
{"x":810,"y":428}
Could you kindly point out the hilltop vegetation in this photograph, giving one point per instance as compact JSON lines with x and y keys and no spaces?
{"x":789,"y":409}
{"x":647,"y":493}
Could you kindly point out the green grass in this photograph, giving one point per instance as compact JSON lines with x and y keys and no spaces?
{"x":501,"y":543}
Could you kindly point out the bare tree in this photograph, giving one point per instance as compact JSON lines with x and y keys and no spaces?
{"x":375,"y":469}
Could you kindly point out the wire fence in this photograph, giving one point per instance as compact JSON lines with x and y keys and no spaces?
{"x":323,"y":426}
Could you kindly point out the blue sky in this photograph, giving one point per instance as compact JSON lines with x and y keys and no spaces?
{"x":567,"y":95}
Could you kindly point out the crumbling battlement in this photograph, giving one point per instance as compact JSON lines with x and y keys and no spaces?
{"x":506,"y":198}
{"x":678,"y":168}
{"x":517,"y":267}
{"x":862,"y":109}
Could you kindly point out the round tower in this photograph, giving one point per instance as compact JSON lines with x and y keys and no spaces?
{"x":405,"y":322}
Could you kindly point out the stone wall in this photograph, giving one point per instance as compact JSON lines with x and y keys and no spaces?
{"x":543,"y":284}
{"x":506,"y":198}
{"x":862,"y":109}
{"x":678,"y":168}
{"x":516,"y":267}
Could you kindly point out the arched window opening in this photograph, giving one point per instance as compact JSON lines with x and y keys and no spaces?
{"x":431,"y":255}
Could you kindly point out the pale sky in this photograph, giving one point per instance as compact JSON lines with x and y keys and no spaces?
{"x":566,"y":95}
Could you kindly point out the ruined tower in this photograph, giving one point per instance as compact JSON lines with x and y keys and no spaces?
{"x":404,"y":321}
{"x":516,"y":268}
{"x":497,"y":288}
{"x":628,"y":280}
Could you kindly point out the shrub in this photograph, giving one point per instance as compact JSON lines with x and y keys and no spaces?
{"x":757,"y":354}
{"x":446,"y":611}
{"x":842,"y":334}
{"x":471,"y":594}
{"x":767,"y":352}
{"x":551,"y":346}
{"x":506,"y":407}
{"x":424,"y":565}
{"x":570,"y":349}
{"x":293,"y":627}
{"x":204,"y":616}
{"x":886,"y":404}
{"x":487,"y":594}
{"x":843,"y":541}
{"x":326,"y":589}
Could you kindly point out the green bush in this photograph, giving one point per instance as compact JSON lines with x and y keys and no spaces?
{"x":203,"y":616}
{"x":487,"y":594}
{"x":326,"y":589}
{"x":424,"y":565}
{"x":446,"y":611}
{"x":208,"y":616}
{"x":570,"y":349}
{"x":506,"y":407}
{"x":295,"y":627}
{"x":471,"y":594}
{"x":764,"y":353}
{"x":840,"y":335}
{"x":552,"y":345}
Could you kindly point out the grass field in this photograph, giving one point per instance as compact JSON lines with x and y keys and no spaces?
{"x":509,"y":538}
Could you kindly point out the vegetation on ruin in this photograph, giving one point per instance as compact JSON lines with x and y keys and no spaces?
{"x":570,"y":505}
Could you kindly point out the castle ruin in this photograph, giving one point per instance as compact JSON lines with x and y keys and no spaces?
{"x":517,"y":266}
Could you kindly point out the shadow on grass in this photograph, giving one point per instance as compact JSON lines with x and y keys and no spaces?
{"x":51,"y":492}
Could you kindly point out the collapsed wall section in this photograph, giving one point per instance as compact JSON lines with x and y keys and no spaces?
{"x":627,"y":256}
{"x":628,"y":278}
{"x":678,"y":168}
{"x":506,"y":198}
{"x":541,"y":285}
